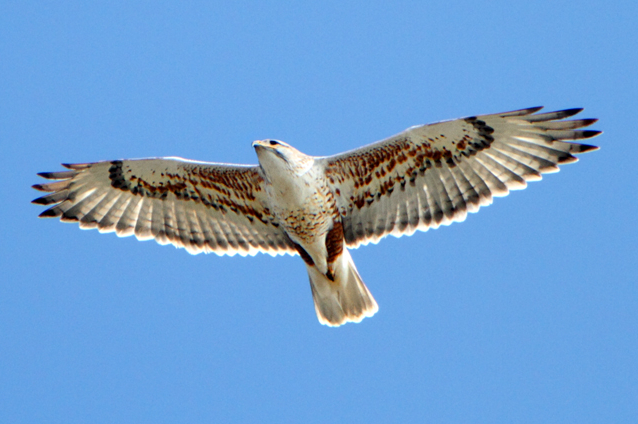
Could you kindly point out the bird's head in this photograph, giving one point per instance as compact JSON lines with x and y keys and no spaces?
{"x":276,"y":156}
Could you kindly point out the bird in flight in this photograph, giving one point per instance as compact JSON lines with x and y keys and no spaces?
{"x":319,"y":207}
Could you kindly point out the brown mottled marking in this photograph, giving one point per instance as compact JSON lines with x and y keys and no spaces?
{"x":229,"y":183}
{"x":362,"y":167}
{"x":376,"y":170}
{"x":304,"y":255}
{"x":334,"y":241}
{"x":391,"y":164}
{"x":461,"y":145}
{"x":359,"y":202}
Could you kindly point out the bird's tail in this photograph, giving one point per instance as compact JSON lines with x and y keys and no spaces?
{"x":346,"y":299}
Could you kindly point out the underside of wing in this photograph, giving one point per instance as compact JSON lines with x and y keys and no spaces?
{"x":435,"y":174}
{"x":202,"y":207}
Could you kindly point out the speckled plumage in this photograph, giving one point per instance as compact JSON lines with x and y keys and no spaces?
{"x":318,"y":207}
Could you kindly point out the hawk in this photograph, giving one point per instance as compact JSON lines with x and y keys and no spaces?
{"x":319,"y":207}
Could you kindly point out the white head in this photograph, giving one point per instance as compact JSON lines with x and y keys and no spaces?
{"x":276,"y":156}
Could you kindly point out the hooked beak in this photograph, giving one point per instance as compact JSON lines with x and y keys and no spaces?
{"x":258,"y":143}
{"x":266,"y":146}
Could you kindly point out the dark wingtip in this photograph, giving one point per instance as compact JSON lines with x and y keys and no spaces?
{"x":588,"y":122}
{"x":39,"y":187}
{"x":590,"y":133}
{"x":527,"y":111}
{"x":568,"y":159}
{"x":62,"y":175}
{"x":39,"y":201}
{"x":76,"y":166}
{"x":520,"y":112}
{"x":69,"y":218}
{"x":584,"y":148}
{"x":49,"y":213}
{"x":570,"y":112}
{"x":47,"y":175}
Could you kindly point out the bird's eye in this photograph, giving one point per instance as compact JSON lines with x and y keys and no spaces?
{"x":273,"y":142}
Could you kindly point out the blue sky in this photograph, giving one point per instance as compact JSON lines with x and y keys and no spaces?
{"x":526,"y":312}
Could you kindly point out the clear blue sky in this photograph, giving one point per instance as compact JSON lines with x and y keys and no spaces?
{"x":526,"y":312}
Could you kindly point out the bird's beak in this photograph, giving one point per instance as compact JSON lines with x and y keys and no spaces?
{"x":258,"y":143}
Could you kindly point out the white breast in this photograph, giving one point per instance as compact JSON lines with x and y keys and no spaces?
{"x":301,"y":205}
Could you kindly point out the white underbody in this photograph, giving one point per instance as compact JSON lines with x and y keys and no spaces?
{"x":299,"y":204}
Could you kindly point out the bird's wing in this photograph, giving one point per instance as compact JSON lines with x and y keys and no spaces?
{"x":203,"y":207}
{"x":433,"y":175}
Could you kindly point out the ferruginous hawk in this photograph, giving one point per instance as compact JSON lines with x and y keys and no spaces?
{"x":319,"y":207}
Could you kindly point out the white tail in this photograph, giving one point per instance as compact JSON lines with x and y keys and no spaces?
{"x":346,"y":299}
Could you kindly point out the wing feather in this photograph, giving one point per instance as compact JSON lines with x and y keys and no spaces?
{"x":88,"y":221}
{"x":458,"y":205}
{"x":477,"y":182}
{"x":125,"y":226}
{"x":202,"y":207}
{"x":143,"y":223}
{"x":467,"y":191}
{"x":433,"y":175}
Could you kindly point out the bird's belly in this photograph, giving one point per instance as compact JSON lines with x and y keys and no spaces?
{"x":304,"y":214}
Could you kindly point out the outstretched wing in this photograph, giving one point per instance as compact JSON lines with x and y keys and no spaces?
{"x":433,"y":175}
{"x":203,"y":207}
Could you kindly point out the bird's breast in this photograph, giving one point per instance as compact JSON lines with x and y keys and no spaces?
{"x":304,"y":206}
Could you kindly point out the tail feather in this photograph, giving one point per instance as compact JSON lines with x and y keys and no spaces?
{"x":346,"y":299}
